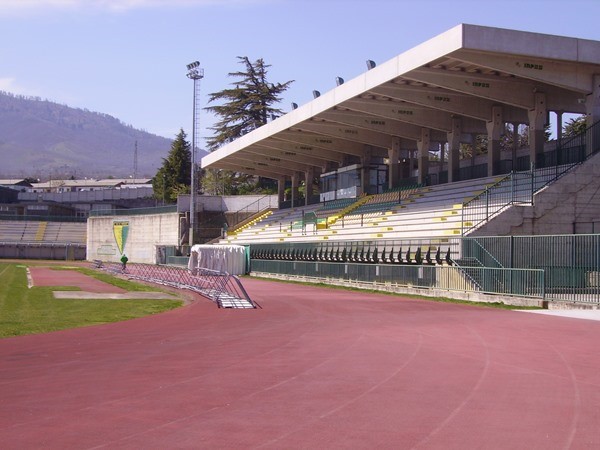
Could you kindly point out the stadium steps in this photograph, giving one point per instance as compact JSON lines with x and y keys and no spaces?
{"x":11,"y":230}
{"x":73,"y":232}
{"x":41,"y":231}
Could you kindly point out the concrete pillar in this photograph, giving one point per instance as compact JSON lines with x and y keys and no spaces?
{"x":593,"y":112}
{"x":365,"y":161}
{"x":454,"y":150}
{"x":495,"y":127}
{"x":423,"y":157}
{"x":559,"y":125}
{"x":515,"y":144}
{"x":592,"y":104}
{"x":309,"y":176}
{"x":281,"y":189}
{"x":537,"y":121}
{"x":393,"y":164}
{"x":295,"y":179}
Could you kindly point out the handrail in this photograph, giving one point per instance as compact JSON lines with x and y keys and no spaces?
{"x":222,"y":216}
{"x":540,"y":174}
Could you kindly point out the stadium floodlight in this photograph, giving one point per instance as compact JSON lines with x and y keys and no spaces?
{"x":370,"y":64}
{"x":339,"y":81}
{"x":195,"y":73}
{"x":294,"y":105}
{"x":316,"y":94}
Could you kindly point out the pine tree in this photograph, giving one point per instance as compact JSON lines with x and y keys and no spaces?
{"x":173,"y":178}
{"x":246,"y":106}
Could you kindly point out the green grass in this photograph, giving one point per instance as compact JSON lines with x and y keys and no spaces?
{"x":35,"y":310}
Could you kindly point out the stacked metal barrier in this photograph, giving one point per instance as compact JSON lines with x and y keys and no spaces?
{"x":224,"y":289}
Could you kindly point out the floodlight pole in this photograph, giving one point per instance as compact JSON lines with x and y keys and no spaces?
{"x":194,"y":73}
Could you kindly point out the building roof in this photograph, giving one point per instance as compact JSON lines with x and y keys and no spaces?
{"x":76,"y":183}
{"x":14,"y":182}
{"x":460,"y":74}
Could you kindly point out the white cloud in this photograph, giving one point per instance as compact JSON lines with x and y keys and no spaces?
{"x":10,"y":85}
{"x":33,"y":6}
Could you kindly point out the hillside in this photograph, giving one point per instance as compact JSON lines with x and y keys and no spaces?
{"x":39,"y":138}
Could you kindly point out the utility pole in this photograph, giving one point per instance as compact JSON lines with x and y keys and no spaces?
{"x":135,"y":163}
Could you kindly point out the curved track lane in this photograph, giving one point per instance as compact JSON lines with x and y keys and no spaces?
{"x":316,"y":368}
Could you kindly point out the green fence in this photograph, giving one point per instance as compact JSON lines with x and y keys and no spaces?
{"x":519,"y":282}
{"x":570,"y":263}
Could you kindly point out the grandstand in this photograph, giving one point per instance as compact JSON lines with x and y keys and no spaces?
{"x":42,"y":239}
{"x":399,"y":203}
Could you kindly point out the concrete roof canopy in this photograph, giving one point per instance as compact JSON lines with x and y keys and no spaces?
{"x":468,"y":73}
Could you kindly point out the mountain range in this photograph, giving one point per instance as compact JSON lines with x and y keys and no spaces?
{"x":43,"y":139}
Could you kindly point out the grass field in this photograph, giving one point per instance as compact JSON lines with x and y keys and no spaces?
{"x":26,"y":310}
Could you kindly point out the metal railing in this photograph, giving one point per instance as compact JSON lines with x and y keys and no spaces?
{"x":224,"y":289}
{"x":134,"y":211}
{"x":499,"y":281}
{"x":571,"y":263}
{"x":520,"y":187}
{"x":42,"y":218}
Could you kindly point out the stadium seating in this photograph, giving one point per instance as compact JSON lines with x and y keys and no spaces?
{"x":36,"y":231}
{"x":416,"y":212}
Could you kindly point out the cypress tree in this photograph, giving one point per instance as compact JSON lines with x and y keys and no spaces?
{"x":174,"y":176}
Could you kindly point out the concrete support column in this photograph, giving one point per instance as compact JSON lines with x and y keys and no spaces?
{"x":515,"y":144}
{"x":559,"y":125}
{"x":295,"y":179}
{"x":281,"y":189}
{"x":537,"y":121}
{"x":365,"y":161}
{"x":393,"y":164}
{"x":454,"y":150}
{"x":592,"y":104}
{"x":495,"y":127}
{"x":423,"y":157}
{"x":309,"y":176}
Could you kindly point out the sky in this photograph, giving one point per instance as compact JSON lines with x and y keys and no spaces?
{"x":128,"y":58}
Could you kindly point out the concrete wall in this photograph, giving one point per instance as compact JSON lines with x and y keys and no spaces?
{"x":229,"y":203}
{"x":145,"y":232}
{"x":42,"y":250}
{"x":567,"y":206}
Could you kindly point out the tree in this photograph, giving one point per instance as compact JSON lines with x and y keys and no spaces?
{"x":173,"y":178}
{"x":574,"y":126}
{"x":246,"y":106}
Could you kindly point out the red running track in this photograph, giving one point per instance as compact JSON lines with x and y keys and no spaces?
{"x":47,"y":276}
{"x":315,"y":369}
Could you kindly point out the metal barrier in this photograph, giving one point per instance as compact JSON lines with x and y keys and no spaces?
{"x":224,"y":289}
{"x":571,"y":263}
{"x":499,"y":281}
{"x":135,"y":211}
